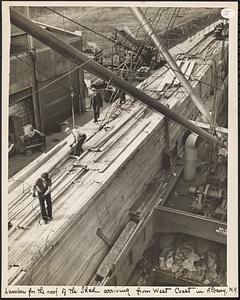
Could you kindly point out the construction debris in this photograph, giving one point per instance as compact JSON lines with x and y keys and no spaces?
{"x":205,"y":265}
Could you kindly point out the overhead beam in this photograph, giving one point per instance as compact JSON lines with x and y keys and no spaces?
{"x":57,"y":29}
{"x":171,"y":62}
{"x":79,"y":58}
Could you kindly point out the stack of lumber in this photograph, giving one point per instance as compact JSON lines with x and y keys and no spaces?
{"x":99,"y":195}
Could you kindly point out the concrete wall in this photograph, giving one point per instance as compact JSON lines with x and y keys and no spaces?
{"x":49,"y":64}
{"x":55,"y":100}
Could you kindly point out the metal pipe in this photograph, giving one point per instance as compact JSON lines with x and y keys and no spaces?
{"x":169,"y":59}
{"x":35,"y":95}
{"x":190,"y":158}
{"x":79,"y":58}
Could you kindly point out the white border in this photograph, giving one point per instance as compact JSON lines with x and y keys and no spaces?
{"x":232,"y":236}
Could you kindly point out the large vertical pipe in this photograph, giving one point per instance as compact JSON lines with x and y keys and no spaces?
{"x":169,"y":59}
{"x":190,"y":158}
{"x":79,"y":58}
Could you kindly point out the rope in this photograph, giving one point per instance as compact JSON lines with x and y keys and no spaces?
{"x":115,"y":94}
{"x":146,"y":38}
{"x":145,"y":13}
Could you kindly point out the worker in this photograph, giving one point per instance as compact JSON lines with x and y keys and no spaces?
{"x":122,"y":97}
{"x":11,"y":148}
{"x":129,"y":59}
{"x":96,"y":103}
{"x":43,"y":188}
{"x":79,"y":138}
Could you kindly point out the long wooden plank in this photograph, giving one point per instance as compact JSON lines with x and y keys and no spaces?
{"x":190,"y":69}
{"x":183,"y":69}
{"x":108,"y":263}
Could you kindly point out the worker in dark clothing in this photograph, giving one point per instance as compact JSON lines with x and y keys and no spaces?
{"x":79,"y":138}
{"x":96,"y":103}
{"x":43,"y":189}
{"x":122,"y":97}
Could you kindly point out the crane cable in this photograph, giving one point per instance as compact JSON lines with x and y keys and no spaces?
{"x":81,"y":65}
{"x":115,"y":93}
{"x":62,"y":76}
{"x":144,"y":83}
{"x":141,"y":48}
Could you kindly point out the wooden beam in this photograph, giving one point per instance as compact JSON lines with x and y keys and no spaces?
{"x":56,"y":29}
{"x":108,"y":263}
{"x":207,"y":126}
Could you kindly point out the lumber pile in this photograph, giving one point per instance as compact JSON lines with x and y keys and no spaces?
{"x":97,"y":193}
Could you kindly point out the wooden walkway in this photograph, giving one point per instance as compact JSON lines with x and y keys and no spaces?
{"x":99,"y":191}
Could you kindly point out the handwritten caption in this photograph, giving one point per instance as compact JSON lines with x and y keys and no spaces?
{"x":44,"y":291}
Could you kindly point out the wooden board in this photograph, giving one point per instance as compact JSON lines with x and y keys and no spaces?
{"x":108,"y":263}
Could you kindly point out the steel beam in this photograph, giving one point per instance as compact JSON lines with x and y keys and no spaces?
{"x":170,"y":220}
{"x":169,"y":59}
{"x":79,"y":58}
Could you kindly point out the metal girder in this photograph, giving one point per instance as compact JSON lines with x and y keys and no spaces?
{"x":79,"y":58}
{"x":169,"y":59}
{"x":169,"y":220}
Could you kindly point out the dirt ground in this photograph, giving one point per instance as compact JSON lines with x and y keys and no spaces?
{"x":106,"y":19}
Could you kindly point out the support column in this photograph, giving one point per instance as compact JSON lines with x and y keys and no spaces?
{"x":35,"y":93}
{"x":82,"y":100}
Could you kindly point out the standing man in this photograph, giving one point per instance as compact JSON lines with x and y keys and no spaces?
{"x":43,"y":187}
{"x":96,"y":103}
{"x":79,"y":138}
{"x":122,"y":97}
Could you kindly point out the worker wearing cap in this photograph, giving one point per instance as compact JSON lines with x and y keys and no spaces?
{"x":96,"y":103}
{"x":79,"y":138}
{"x":43,"y":188}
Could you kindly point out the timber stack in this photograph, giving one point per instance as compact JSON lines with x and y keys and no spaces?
{"x":100,"y":202}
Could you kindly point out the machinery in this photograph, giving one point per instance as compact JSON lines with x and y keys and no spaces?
{"x":32,"y":139}
{"x":141,"y":53}
{"x":207,"y":199}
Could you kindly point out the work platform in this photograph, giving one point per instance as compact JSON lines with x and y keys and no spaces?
{"x":117,"y":166}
